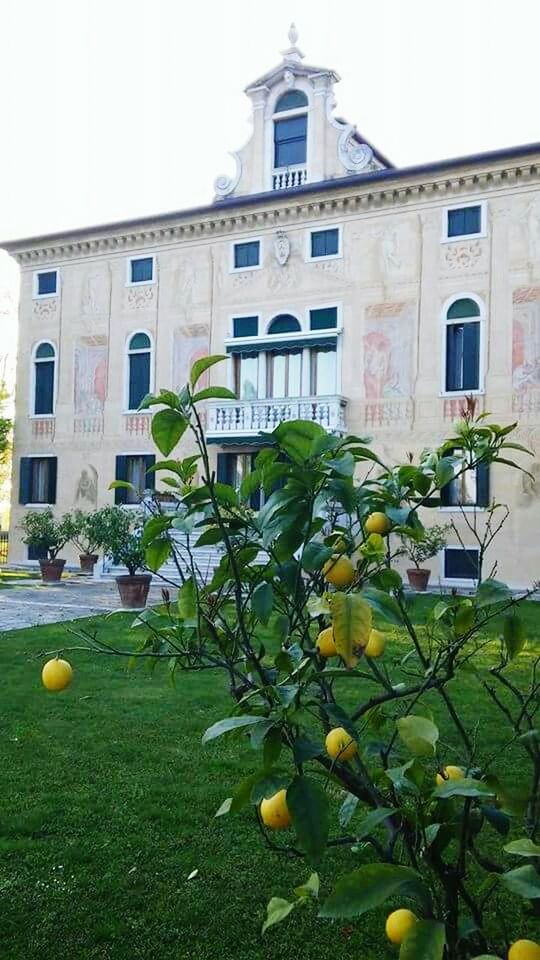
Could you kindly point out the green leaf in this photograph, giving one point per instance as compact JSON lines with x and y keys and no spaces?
{"x":444,"y":472}
{"x":297,"y":438}
{"x":272,"y":744}
{"x":157,"y":553}
{"x":523,"y":848}
{"x":203,"y":364}
{"x":209,"y":537}
{"x":187,"y":601}
{"x":373,"y":819}
{"x":463,"y":788}
{"x":225,"y":808}
{"x":492,"y":591}
{"x":168,"y":426}
{"x":308,"y":806}
{"x":351,"y":620}
{"x":369,"y":887}
{"x":385,"y":606}
{"x":214,"y":393}
{"x":262,"y":601}
{"x":153,"y":528}
{"x":387,"y":580}
{"x":120,"y":485}
{"x":499,"y":821}
{"x":513,"y":635}
{"x":347,"y":809}
{"x":229,"y":724}
{"x":268,"y":786}
{"x":418,"y":734}
{"x":524,"y":881}
{"x":276,"y":911}
{"x":407,"y":778}
{"x":486,"y":956}
{"x":314,"y":556}
{"x":425,"y":941}
{"x":310,"y":888}
{"x":305,"y":749}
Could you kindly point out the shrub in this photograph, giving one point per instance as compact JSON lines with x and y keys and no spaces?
{"x":426,"y":544}
{"x":122,"y":538}
{"x":427,"y":833}
{"x":43,"y":531}
{"x":94,"y":530}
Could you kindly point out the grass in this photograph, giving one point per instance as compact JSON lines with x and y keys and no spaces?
{"x":107,"y":807}
{"x":12,"y":578}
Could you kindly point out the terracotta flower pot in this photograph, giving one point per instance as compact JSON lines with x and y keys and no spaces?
{"x":51,"y":570}
{"x":88,"y":562}
{"x":133,"y":590}
{"x":418,"y":578}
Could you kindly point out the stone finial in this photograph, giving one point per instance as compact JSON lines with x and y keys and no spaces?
{"x":293,"y":35}
{"x":293,"y":54}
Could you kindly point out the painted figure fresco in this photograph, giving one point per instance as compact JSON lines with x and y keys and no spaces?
{"x":526,"y":340}
{"x":388,"y":351}
{"x":190,"y":344}
{"x":90,"y":382}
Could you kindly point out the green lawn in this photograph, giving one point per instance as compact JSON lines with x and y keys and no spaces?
{"x":11,"y":578}
{"x":107,"y":806}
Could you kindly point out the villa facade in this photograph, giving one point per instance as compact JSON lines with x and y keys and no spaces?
{"x":368,"y":298}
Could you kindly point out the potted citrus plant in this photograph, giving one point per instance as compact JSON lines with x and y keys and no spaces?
{"x":124,"y":544}
{"x":48,"y":536}
{"x":430,"y":542}
{"x":90,"y":534}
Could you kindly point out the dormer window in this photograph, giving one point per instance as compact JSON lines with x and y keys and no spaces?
{"x":290,"y":139}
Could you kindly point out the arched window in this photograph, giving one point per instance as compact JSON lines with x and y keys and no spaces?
{"x":139,"y":366}
{"x":291,"y":100}
{"x":284,"y":323}
{"x":290,"y":132}
{"x":462,"y":345}
{"x":44,"y":378}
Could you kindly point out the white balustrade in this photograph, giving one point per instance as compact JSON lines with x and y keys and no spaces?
{"x":288,"y":179}
{"x":249,"y":417}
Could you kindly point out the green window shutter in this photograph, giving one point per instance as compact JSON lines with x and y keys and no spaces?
{"x":225,"y":467}
{"x":25,"y":479}
{"x":51,"y":479}
{"x":120,"y":494}
{"x":482,"y":485}
{"x":255,"y":499}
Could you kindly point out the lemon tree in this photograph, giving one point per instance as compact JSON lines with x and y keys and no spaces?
{"x":301,"y":617}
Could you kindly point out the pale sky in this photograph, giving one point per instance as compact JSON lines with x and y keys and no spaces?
{"x":117,"y":108}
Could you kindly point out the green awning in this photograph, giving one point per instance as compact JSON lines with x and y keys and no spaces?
{"x":271,"y":346}
{"x":256,"y":440}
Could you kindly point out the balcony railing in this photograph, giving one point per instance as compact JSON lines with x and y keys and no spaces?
{"x":289,"y":178}
{"x":244,"y":418}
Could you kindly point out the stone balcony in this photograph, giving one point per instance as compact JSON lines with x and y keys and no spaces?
{"x":288,"y":178}
{"x":238,"y":419}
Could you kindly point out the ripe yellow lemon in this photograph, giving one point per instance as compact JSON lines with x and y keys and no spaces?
{"x":398,"y":925}
{"x":339,"y":571}
{"x":378,"y":523}
{"x":524,"y":950}
{"x":451,"y":773}
{"x":57,"y":674}
{"x":375,"y":645}
{"x":326,"y":645}
{"x":340,"y":745}
{"x":275,"y":812}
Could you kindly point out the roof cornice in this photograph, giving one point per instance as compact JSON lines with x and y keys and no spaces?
{"x":360,"y":193}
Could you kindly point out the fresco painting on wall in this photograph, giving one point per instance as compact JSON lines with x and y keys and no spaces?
{"x":526,"y":351}
{"x":190,"y":344}
{"x":389,"y":362}
{"x":90,"y":383}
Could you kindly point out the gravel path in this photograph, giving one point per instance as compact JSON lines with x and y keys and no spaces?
{"x":25,"y":605}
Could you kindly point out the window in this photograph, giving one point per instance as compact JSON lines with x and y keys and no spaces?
{"x":463,"y":222}
{"x":290,"y":141}
{"x":324,"y":243}
{"x":469,"y":489}
{"x":247,"y":255}
{"x":246,"y":373}
{"x":291,"y":100}
{"x":323,"y":319}
{"x":284,"y":323}
{"x":462,"y":345}
{"x":139,"y":368}
{"x":37,"y":480}
{"x":233,"y":467}
{"x":44,"y":377}
{"x":245,"y":326}
{"x":46,"y":283}
{"x":284,"y":371}
{"x":461,"y":563}
{"x":323,"y":371}
{"x":141,"y":270}
{"x":133,"y":468}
